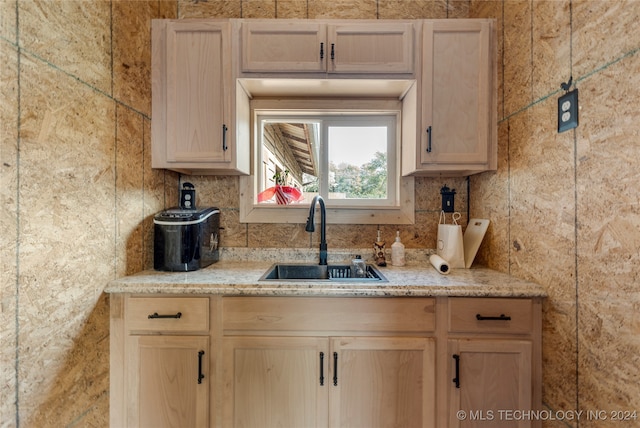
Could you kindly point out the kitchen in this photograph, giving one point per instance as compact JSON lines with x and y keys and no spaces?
{"x":79,"y":193}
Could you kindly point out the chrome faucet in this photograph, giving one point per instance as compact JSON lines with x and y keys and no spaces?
{"x":323,"y":227}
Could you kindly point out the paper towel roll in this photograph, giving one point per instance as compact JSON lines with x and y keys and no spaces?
{"x":440,"y":264}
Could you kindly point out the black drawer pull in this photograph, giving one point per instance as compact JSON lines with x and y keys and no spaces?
{"x":224,"y":137}
{"x":502,"y":317}
{"x":335,"y":369}
{"x":156,"y":316}
{"x":321,"y":368}
{"x":200,"y":375}
{"x":456,"y":379}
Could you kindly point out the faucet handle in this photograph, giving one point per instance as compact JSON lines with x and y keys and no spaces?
{"x":310,"y":227}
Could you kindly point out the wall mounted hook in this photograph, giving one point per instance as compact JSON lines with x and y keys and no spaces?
{"x":566,"y":86}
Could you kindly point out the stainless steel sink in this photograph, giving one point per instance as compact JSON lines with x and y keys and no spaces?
{"x":314,"y":272}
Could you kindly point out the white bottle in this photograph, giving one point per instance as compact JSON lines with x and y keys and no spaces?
{"x":397,"y":251}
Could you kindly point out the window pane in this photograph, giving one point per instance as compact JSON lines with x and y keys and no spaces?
{"x":357,"y":157}
{"x":289,"y":161}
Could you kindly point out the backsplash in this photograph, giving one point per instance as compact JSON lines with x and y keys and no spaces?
{"x":78,"y":192}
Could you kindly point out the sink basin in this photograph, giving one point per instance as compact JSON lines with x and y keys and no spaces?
{"x":316,"y":272}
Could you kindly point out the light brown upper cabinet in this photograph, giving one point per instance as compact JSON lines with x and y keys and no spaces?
{"x":206,"y":72}
{"x":332,"y":47}
{"x":457,"y":127}
{"x":193,"y":98}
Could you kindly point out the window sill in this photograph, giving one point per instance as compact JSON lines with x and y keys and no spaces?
{"x":297,"y":213}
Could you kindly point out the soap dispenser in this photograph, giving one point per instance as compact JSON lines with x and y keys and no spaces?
{"x":397,"y":252}
{"x":378,"y":251}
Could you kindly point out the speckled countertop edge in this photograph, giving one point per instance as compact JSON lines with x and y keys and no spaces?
{"x":239,"y":270}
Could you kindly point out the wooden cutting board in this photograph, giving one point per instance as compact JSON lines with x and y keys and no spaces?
{"x":473,"y":236}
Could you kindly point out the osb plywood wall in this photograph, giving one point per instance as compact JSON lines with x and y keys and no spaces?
{"x":565,"y":208}
{"x":78,"y":192}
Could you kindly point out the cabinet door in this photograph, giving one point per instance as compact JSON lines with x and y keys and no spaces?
{"x":191,"y":92}
{"x":370,"y":48}
{"x":168,"y":381}
{"x":275,"y":382}
{"x":457,"y":100}
{"x":283,"y":47}
{"x":382,"y":382}
{"x":489,"y":377}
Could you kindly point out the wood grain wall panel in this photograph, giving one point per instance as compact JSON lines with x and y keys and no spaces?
{"x":132,"y":53}
{"x":74,"y":36}
{"x":489,"y":198}
{"x":291,"y":9}
{"x":418,"y":9}
{"x":542,"y":237}
{"x":283,"y":236}
{"x":342,"y":9}
{"x":517,"y":55}
{"x":259,"y":8}
{"x":603,"y":31}
{"x":129,"y":192}
{"x":609,"y":237}
{"x":541,"y":199}
{"x":551,"y":49}
{"x":8,"y":13}
{"x":9,"y":226}
{"x":559,"y":354}
{"x":209,"y":9}
{"x":67,"y":244}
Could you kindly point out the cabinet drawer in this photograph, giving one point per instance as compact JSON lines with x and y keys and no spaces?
{"x":168,"y":314}
{"x":490,"y":315}
{"x":343,"y":314}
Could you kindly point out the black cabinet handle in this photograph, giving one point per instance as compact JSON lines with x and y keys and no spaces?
{"x":224,"y":137}
{"x":200,"y":375}
{"x":321,"y":368}
{"x":502,"y":317}
{"x":156,"y":316}
{"x":456,"y":379}
{"x":333,"y":51}
{"x":321,"y":50}
{"x":429,"y":139}
{"x":335,"y":369}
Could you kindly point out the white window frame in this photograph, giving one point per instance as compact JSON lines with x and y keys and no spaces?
{"x":398,"y":208}
{"x":336,"y":119}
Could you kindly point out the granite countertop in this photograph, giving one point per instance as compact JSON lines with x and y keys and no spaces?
{"x":234,"y":277}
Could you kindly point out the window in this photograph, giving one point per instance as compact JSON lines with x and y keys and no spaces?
{"x":346,"y":150}
{"x":348,"y":159}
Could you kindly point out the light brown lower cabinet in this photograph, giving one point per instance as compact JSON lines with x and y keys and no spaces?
{"x":160,"y":361}
{"x":167,"y":382}
{"x":492,"y":381}
{"x":374,"y":362}
{"x":335,"y":381}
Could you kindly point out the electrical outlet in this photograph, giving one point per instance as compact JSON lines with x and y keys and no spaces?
{"x":568,"y":111}
{"x":447,"y":199}
{"x":188,"y":197}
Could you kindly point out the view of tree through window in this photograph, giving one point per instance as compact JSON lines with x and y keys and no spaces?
{"x":357,"y":161}
{"x":366,"y":181}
